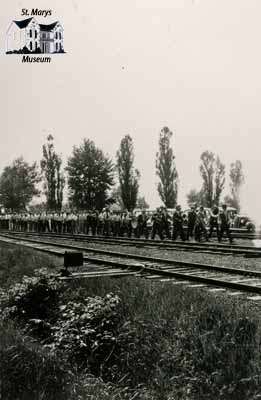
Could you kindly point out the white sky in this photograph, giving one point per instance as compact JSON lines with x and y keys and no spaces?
{"x":132,"y":67}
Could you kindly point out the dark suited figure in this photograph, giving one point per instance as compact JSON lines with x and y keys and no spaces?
{"x":134,"y":225}
{"x":200,"y":227}
{"x":93,"y":221}
{"x":123,"y":227}
{"x":213,"y":221}
{"x":224,"y":224}
{"x":124,"y":224}
{"x":156,"y":225}
{"x":178,"y":229}
{"x":165,"y":222}
{"x":142,"y":229}
{"x":87,"y":222}
{"x":117,"y":224}
{"x":129,"y":224}
{"x":59,"y":222}
{"x":107,"y":222}
{"x":192,"y":217}
{"x":100,"y":223}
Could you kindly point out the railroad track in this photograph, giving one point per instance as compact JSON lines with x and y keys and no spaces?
{"x":206,"y":247}
{"x":99,"y":262}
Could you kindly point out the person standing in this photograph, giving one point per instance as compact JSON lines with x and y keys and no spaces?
{"x":75,"y":222}
{"x":192,"y":217}
{"x":142,"y":225}
{"x":117,"y":224}
{"x":107,"y":222}
{"x":200,"y":226}
{"x":134,"y":224}
{"x":59,"y":222}
{"x":100,"y":224}
{"x":113,"y":224}
{"x":69,"y":222}
{"x":213,"y":221}
{"x":124,"y":227}
{"x":93,"y":221}
{"x":81,"y":218}
{"x":156,"y":225}
{"x":224,"y":224}
{"x":178,"y":229}
{"x":87,"y":222}
{"x":129,"y":223}
{"x":165,"y":222}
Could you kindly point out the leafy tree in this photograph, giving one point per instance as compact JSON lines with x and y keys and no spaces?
{"x":219,"y":180}
{"x":116,"y":197}
{"x":195,"y":197}
{"x":141,"y":203}
{"x":213,"y":174}
{"x":18,"y":185}
{"x":207,"y":173}
{"x":90,"y":176}
{"x":128,"y":176}
{"x":236,"y":181}
{"x":166,"y":170}
{"x":54,"y":180}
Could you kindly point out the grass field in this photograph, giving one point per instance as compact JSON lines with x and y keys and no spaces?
{"x":128,"y":338}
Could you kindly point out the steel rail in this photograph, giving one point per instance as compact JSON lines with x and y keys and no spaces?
{"x":224,"y":249}
{"x":149,"y":270}
{"x":109,"y":253}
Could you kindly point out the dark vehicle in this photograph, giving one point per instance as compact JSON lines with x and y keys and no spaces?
{"x":243,"y":221}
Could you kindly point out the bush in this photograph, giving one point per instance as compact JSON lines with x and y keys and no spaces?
{"x":34,"y":303}
{"x":86,"y":331}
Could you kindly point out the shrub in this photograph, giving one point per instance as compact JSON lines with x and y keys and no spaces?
{"x":86,"y":331}
{"x":33,"y":303}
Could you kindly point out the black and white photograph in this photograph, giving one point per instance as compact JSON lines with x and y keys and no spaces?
{"x":130,"y":216}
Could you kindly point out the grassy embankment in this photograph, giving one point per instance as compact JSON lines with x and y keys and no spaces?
{"x":121,"y":339}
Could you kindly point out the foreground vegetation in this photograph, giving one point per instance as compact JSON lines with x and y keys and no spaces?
{"x":121,"y":338}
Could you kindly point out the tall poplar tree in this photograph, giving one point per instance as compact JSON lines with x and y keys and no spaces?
{"x":127,"y":174}
{"x":166,"y":170}
{"x":213,"y":174}
{"x":219,"y":180}
{"x":207,"y":170}
{"x":54,"y":181}
{"x":237,"y":179}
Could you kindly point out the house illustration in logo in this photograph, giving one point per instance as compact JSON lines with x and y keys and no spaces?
{"x":28,"y":36}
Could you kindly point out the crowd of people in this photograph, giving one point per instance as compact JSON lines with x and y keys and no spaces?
{"x":195,"y":224}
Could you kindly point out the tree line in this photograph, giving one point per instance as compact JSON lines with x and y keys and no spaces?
{"x":94,"y":180}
